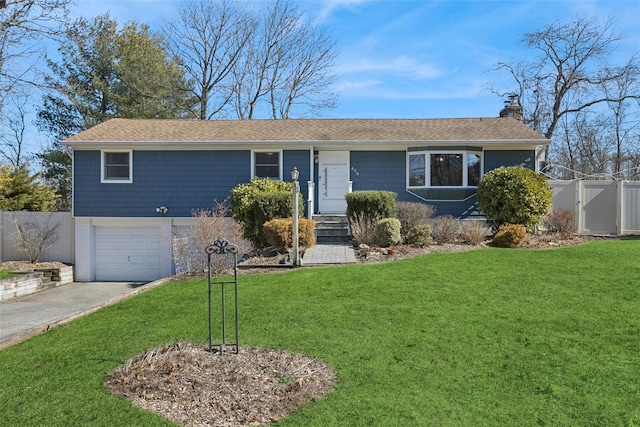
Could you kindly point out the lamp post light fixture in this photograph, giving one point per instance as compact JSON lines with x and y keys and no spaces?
{"x":295,"y":256}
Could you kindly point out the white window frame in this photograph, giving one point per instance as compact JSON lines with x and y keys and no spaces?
{"x":427,"y":167}
{"x":253,"y":162}
{"x":103,"y":169}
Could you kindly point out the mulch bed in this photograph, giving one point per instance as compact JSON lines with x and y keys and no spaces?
{"x":194,"y":387}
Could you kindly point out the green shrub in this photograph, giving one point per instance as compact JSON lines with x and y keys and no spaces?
{"x":420,"y":235}
{"x":411,"y":214}
{"x":445,"y":229}
{"x":374,"y":205}
{"x":278,"y":233}
{"x":514,"y":195}
{"x":388,"y":232}
{"x":259,"y":201}
{"x":510,"y":236}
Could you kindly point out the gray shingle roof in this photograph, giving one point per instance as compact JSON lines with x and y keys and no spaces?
{"x":307,"y":130}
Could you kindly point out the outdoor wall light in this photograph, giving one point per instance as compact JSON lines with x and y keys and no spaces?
{"x":162,"y":210}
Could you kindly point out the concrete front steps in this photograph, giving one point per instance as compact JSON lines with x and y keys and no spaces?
{"x":332,"y":229}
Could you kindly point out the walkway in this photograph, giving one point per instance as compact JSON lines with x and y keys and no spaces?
{"x":337,"y":253}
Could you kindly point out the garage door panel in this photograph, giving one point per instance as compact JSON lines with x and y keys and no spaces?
{"x":127,"y":253}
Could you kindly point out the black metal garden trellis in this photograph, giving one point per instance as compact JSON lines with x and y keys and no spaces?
{"x":223,"y":247}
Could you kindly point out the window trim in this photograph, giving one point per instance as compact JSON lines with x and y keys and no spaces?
{"x":253,"y":162}
{"x":103,"y":169}
{"x":427,"y":167}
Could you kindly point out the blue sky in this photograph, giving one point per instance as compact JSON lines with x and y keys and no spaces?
{"x":409,"y":59}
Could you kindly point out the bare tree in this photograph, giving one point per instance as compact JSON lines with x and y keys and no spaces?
{"x":12,"y":143}
{"x":209,"y":38}
{"x":32,"y":237}
{"x":624,"y":127}
{"x":22,"y":24}
{"x":288,"y":64}
{"x":569,"y":73}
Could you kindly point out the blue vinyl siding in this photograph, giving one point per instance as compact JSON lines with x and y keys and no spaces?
{"x":495,"y":158}
{"x":180,"y":180}
{"x":379,"y":170}
{"x":386,"y":170}
{"x":301,"y":159}
{"x":187,"y":180}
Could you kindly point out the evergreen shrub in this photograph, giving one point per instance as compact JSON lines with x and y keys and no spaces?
{"x":388,"y":232}
{"x":374,"y":205}
{"x":278,"y":233}
{"x":510,"y":235}
{"x":420,"y":235}
{"x":514,"y":195}
{"x":259,"y":201}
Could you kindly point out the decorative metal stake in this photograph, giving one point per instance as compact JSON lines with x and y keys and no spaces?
{"x":223,"y":247}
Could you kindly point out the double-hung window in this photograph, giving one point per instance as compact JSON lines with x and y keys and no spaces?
{"x":117,"y":167}
{"x":267,"y":164}
{"x":444,"y":169}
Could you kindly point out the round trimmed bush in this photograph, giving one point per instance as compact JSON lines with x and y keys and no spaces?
{"x":514,"y":195}
{"x":388,"y":232}
{"x":420,"y":235}
{"x":510,"y":236}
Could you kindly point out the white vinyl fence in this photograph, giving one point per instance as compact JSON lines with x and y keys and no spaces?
{"x":601,"y":207}
{"x":63,"y":249}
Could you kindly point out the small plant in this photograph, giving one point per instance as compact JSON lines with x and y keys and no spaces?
{"x":278,"y":233}
{"x":510,"y":236}
{"x":208,"y":226}
{"x":388,"y":232}
{"x":445,"y":229}
{"x":363,"y":229}
{"x":420,"y":235}
{"x":473,"y":232}
{"x":561,"y":221}
{"x":411,"y":214}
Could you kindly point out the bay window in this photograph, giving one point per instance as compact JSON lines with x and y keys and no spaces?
{"x":444,"y":169}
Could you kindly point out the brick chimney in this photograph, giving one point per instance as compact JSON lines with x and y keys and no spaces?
{"x":512,"y":108}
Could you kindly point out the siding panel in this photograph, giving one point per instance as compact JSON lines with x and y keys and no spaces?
{"x":495,"y":158}
{"x":181,"y":181}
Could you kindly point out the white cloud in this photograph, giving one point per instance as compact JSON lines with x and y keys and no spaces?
{"x":398,"y":66}
{"x":329,"y":6}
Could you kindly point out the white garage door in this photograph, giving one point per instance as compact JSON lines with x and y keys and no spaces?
{"x":127,"y":253}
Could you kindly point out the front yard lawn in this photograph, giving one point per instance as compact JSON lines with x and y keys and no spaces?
{"x":484,"y":338}
{"x":5,"y":274}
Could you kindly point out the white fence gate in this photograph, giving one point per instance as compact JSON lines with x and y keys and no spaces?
{"x":600,"y":207}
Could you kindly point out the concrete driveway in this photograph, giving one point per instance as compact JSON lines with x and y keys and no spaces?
{"x":24,"y":317}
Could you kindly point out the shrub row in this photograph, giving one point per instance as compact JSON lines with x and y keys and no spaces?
{"x":255,"y":203}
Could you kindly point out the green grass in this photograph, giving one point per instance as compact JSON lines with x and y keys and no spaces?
{"x":4,"y":274}
{"x":483,"y":338}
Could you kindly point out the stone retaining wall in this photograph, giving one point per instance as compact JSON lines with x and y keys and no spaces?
{"x":28,"y":283}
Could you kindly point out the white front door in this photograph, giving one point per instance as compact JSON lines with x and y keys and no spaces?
{"x":333,"y":181}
